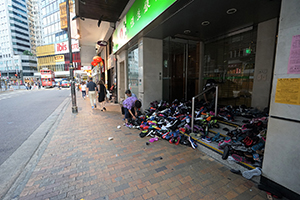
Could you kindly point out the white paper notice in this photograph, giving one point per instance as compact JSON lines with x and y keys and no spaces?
{"x":294,"y":59}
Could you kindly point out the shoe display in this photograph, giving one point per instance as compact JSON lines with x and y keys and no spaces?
{"x":172,"y":122}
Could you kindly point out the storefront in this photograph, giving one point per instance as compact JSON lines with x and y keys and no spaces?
{"x":188,"y":43}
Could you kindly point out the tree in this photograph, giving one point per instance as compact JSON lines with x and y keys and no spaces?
{"x":27,"y":53}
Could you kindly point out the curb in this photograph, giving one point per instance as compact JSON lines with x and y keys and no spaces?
{"x":16,"y":170}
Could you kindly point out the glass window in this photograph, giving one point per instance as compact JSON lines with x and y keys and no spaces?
{"x":231,"y":61}
{"x":55,"y":16}
{"x":133,"y":67}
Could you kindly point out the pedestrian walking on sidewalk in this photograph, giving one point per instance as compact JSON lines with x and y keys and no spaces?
{"x":91,"y":89}
{"x":101,"y":94}
{"x":83,"y":89}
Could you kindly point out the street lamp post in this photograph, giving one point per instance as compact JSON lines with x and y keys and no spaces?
{"x":7,"y":79}
{"x":73,"y":94}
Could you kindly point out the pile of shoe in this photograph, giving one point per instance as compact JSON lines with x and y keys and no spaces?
{"x":246,"y":144}
{"x":173,"y":122}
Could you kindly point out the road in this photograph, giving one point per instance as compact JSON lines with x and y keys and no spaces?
{"x":22,"y":112}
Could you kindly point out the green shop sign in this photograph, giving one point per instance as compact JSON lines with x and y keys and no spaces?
{"x":141,"y":13}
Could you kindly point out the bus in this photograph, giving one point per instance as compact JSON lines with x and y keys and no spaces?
{"x":47,"y":78}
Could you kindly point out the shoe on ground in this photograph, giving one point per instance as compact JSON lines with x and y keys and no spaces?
{"x":95,"y":105}
{"x":250,"y":173}
{"x":92,"y":107}
{"x":236,"y":171}
{"x":193,"y":143}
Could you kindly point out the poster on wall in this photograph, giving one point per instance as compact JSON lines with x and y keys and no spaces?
{"x":294,"y":58}
{"x":288,"y":91}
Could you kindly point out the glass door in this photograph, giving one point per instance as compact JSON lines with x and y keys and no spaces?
{"x":180,"y":69}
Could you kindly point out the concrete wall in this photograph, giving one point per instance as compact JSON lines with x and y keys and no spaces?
{"x":86,"y":55}
{"x":281,"y":160}
{"x":264,"y":62}
{"x":152,"y":62}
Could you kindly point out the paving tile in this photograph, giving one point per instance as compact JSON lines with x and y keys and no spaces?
{"x":80,"y":162}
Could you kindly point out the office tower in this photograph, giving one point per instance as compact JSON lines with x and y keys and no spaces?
{"x":54,"y":54}
{"x":15,"y":56}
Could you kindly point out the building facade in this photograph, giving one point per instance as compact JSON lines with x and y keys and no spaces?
{"x":54,"y":51}
{"x":34,"y":20}
{"x":16,"y":56}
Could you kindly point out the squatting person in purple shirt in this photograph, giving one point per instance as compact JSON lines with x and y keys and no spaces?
{"x":131,"y":104}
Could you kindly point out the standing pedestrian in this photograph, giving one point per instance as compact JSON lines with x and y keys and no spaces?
{"x":91,"y":89}
{"x":101,"y":94}
{"x":83,"y":89}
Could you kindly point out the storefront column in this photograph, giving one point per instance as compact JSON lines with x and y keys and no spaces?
{"x":264,"y":62}
{"x":281,"y":159}
{"x":122,"y":75}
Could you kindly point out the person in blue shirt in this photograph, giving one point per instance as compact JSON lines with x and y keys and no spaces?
{"x":129,"y":93}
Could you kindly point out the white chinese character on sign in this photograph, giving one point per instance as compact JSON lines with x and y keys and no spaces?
{"x":146,"y":6}
{"x":138,"y":15}
{"x":132,"y":22}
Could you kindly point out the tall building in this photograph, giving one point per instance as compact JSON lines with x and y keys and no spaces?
{"x":34,"y":16}
{"x":15,"y":56}
{"x":54,"y":51}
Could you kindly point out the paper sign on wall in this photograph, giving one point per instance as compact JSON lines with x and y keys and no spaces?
{"x":288,"y":91}
{"x":294,"y":58}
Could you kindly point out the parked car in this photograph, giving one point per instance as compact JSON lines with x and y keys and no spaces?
{"x":65,"y":84}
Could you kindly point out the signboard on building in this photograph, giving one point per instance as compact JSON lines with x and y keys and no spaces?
{"x":59,"y":58}
{"x":111,"y":61}
{"x":84,"y":68}
{"x":63,"y":47}
{"x":141,"y":13}
{"x":63,"y":13}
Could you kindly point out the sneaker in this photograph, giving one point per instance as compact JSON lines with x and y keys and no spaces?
{"x":168,"y":136}
{"x":193,"y":143}
{"x":151,"y":134}
{"x":226,"y":152}
{"x":104,"y":108}
{"x":128,"y":125}
{"x":143,"y":133}
{"x":177,"y":140}
{"x":92,"y":107}
{"x":165,"y":134}
{"x":95,"y":105}
{"x":224,"y":143}
{"x":206,"y":139}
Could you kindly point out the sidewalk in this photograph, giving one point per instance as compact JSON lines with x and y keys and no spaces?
{"x":81,"y":163}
